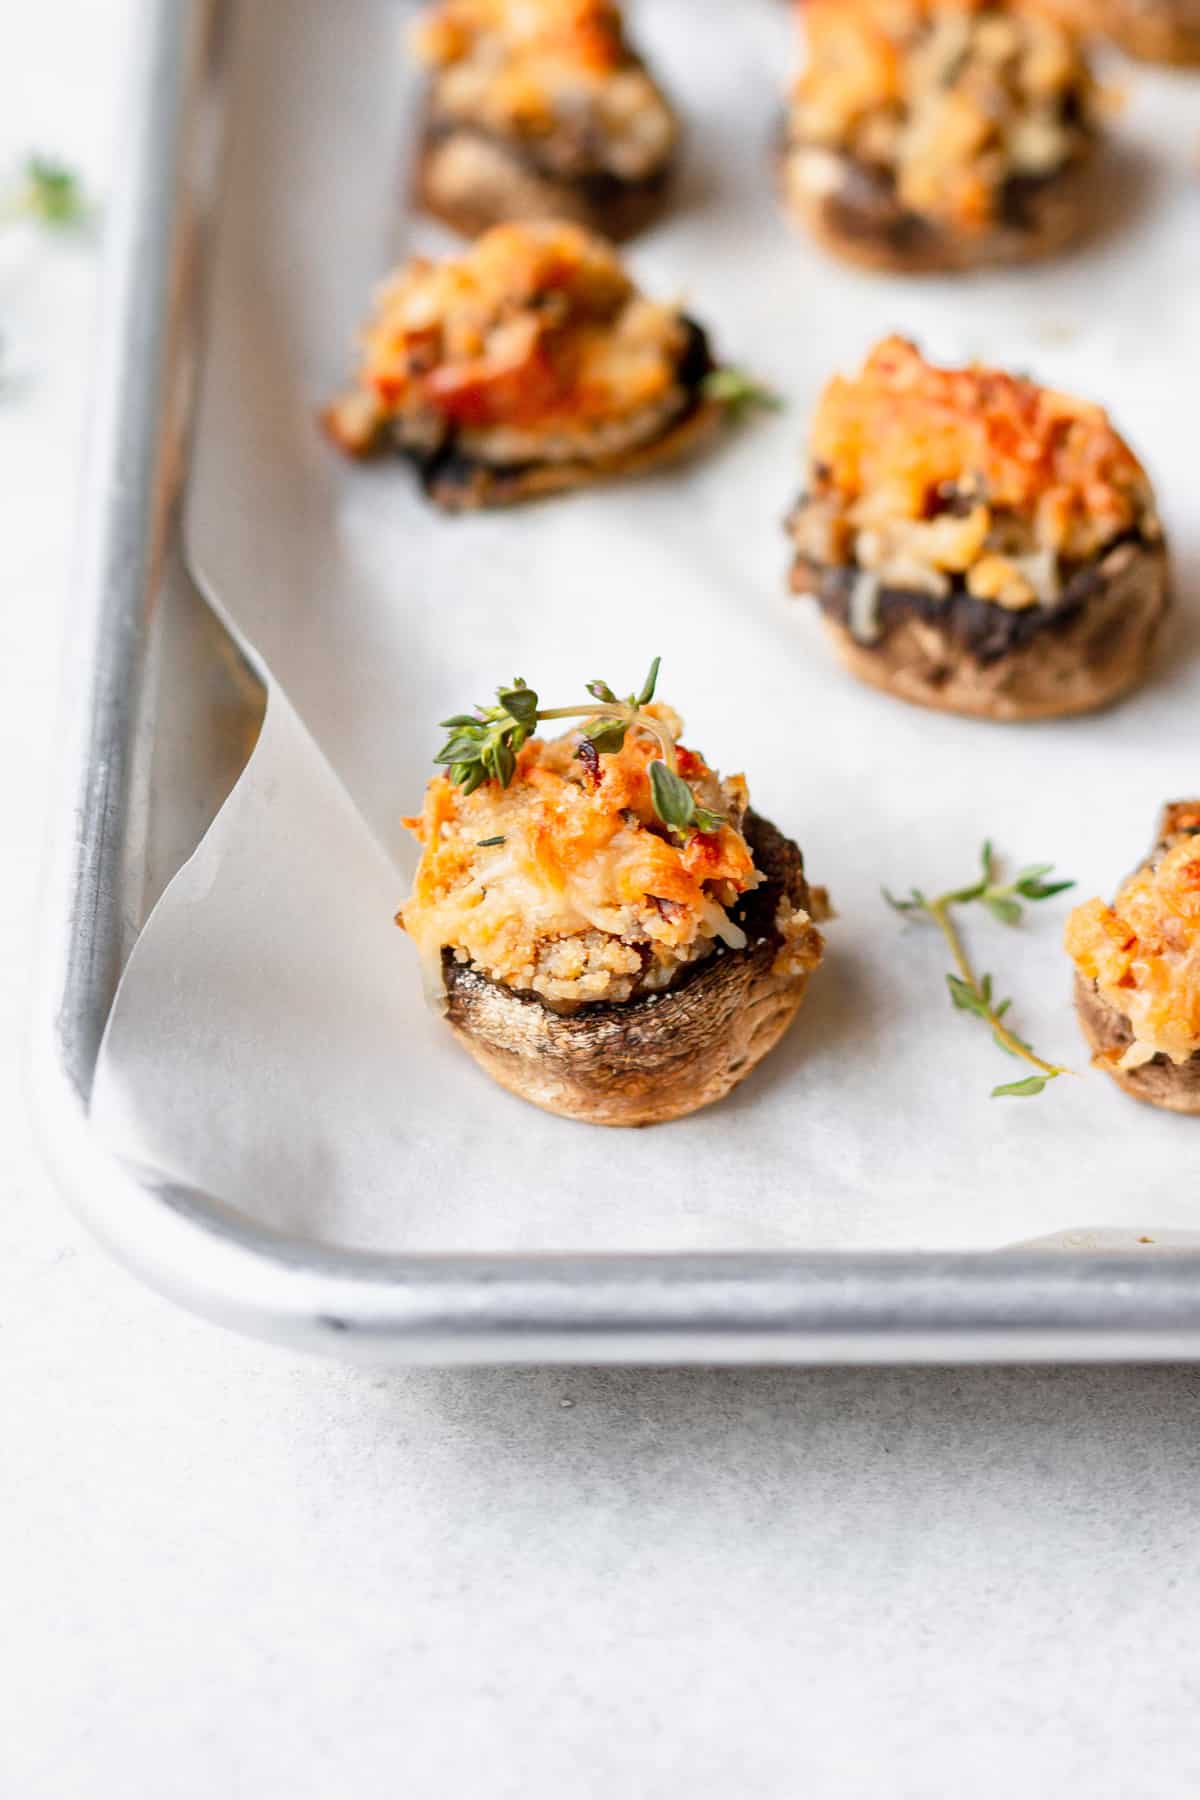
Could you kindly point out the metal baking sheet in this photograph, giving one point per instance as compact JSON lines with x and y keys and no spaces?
{"x":161,"y":712}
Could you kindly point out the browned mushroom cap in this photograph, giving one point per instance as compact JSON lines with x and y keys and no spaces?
{"x":1174,"y":1086}
{"x":861,"y":221}
{"x":1161,"y":1082}
{"x":459,"y":483}
{"x":660,"y":1056}
{"x":974,"y":657}
{"x":471,"y":179}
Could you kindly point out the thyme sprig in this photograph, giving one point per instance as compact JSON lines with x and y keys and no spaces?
{"x":973,"y":993}
{"x":483,"y":745}
{"x":46,"y":191}
{"x":739,"y":392}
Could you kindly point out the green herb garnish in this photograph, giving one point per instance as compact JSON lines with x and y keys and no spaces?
{"x":675,"y":803}
{"x":483,"y":745}
{"x":739,"y":392}
{"x":48,"y":192}
{"x":971,"y":993}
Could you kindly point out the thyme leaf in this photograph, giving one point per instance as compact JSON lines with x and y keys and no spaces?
{"x":675,"y":803}
{"x":739,"y":393}
{"x":483,"y":745}
{"x":971,"y":993}
{"x":1032,"y":1084}
{"x":47,"y":191}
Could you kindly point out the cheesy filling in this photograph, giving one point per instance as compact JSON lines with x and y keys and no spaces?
{"x":557,"y":78}
{"x":532,"y":346}
{"x":1162,"y":30}
{"x":949,"y":100}
{"x":567,"y":885}
{"x":929,"y":479}
{"x":1143,"y":952}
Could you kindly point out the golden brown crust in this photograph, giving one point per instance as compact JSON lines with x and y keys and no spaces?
{"x":528,"y":365}
{"x":1173,"y":1086}
{"x":1056,"y":216}
{"x":484,"y":486}
{"x":913,"y":462}
{"x":938,"y":135}
{"x":1163,"y":31}
{"x":656,"y":1058}
{"x":562,"y":882}
{"x":1087,"y":663}
{"x":540,"y":109}
{"x":1138,"y":961}
{"x":1178,"y":816}
{"x":471,"y":183}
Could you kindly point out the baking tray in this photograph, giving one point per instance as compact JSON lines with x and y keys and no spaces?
{"x":160,"y":711}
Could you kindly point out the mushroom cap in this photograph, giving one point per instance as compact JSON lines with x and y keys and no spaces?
{"x":853,"y":225}
{"x":471,"y":181}
{"x":662,"y":1055}
{"x":469,"y":486}
{"x":1172,"y":1086}
{"x":1160,"y":1082}
{"x":1084,"y":659}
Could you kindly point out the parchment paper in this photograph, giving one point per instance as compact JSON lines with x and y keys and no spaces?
{"x":270,"y":1042}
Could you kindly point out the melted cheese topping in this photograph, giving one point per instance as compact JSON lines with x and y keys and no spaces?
{"x":557,"y":75}
{"x":537,"y":330}
{"x":586,"y":896}
{"x":921,"y":474}
{"x":953,"y":98}
{"x":1143,"y":952}
{"x":584,"y":32}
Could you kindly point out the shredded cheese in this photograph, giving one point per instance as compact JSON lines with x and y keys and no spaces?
{"x":923,"y":475}
{"x":954,"y":98}
{"x":1143,"y":952}
{"x":558,"y":77}
{"x":586,"y":896}
{"x":536,"y":334}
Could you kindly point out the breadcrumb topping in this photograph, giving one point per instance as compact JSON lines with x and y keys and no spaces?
{"x":588,"y":32}
{"x":558,"y":77}
{"x":927,"y":475}
{"x":567,"y":885}
{"x":532,"y":340}
{"x":954,"y":99}
{"x":1143,"y":952}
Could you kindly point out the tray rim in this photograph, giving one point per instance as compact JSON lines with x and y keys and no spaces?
{"x":670,"y":1307}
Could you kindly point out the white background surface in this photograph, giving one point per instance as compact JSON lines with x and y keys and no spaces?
{"x":227,"y":1573}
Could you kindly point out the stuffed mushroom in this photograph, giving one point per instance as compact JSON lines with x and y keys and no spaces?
{"x":540,"y":109}
{"x":1166,"y":31}
{"x":978,"y":543}
{"x":939,"y":134}
{"x":1137,"y":970}
{"x":529,"y":365}
{"x":610,"y":929}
